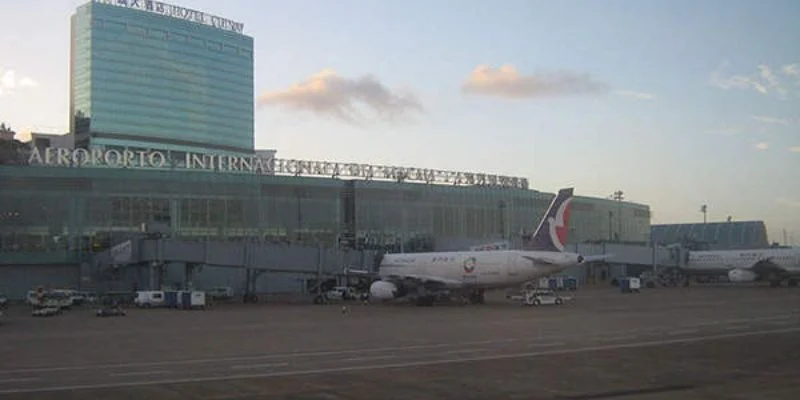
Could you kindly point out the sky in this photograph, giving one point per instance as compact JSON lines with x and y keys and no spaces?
{"x":676,"y":103}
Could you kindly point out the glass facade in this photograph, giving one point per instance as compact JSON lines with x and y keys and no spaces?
{"x":147,"y":81}
{"x":67,"y":213}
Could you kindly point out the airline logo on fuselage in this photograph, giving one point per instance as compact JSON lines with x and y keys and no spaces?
{"x":469,"y":265}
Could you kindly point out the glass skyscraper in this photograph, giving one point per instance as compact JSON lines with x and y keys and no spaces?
{"x":148,"y":75}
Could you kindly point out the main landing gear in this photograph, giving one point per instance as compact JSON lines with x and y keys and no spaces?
{"x":477,"y":297}
{"x":425,"y":301}
{"x":791,"y":282}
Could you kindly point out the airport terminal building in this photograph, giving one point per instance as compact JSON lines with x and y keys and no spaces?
{"x":162,"y":135}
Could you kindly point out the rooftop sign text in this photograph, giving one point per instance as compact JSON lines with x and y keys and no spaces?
{"x":153,"y":159}
{"x":170,"y":10}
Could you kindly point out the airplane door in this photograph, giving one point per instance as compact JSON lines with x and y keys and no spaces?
{"x":512,"y":265}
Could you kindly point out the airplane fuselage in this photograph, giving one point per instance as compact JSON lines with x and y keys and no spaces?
{"x":476,"y":269}
{"x":722,"y":261}
{"x":427,"y":275}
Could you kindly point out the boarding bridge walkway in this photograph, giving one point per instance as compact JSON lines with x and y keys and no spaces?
{"x":632,"y":255}
{"x":250,"y":255}
{"x":256,"y":258}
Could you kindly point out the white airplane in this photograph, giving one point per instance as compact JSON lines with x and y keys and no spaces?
{"x":426,"y":275}
{"x":772,"y":265}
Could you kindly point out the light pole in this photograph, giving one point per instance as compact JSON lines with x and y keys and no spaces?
{"x":300,"y":194}
{"x":619,"y":195}
{"x":704,"y":210}
{"x":502,"y":211}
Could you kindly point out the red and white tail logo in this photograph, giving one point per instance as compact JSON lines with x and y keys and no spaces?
{"x":558,"y":225}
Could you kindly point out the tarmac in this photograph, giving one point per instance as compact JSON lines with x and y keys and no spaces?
{"x":693,"y":343}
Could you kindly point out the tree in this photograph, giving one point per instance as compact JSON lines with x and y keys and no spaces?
{"x":11,"y":151}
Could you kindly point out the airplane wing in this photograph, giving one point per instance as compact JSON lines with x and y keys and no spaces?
{"x":430,"y":282}
{"x":540,"y":260}
{"x":357,"y":272}
{"x":410,"y":280}
{"x":766,"y":266}
{"x":545,"y":261}
{"x":599,"y":257}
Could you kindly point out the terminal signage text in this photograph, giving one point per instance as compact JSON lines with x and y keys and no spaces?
{"x":65,"y":157}
{"x":173,"y":11}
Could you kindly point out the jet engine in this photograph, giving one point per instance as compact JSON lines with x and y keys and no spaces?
{"x":741,"y":275}
{"x":382,"y":290}
{"x":570,"y":259}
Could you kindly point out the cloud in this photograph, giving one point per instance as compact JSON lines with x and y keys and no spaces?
{"x":787,"y":202}
{"x":9,"y":81}
{"x":766,"y":74}
{"x":27,"y":82}
{"x":792,"y":70}
{"x":794,"y":149}
{"x":329,"y":94}
{"x":635,"y":95}
{"x":507,"y":82}
{"x":770,"y":120}
{"x":762,"y":146}
{"x":765,"y":81}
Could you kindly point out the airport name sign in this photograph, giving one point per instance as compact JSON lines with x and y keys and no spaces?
{"x":152,"y":159}
{"x":170,"y":10}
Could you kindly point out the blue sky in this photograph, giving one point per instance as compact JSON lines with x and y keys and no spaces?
{"x":677,"y":103}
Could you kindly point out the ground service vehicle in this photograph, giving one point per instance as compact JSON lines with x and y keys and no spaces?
{"x":547,"y":297}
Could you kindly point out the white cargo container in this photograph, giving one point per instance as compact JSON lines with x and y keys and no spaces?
{"x":198,"y":300}
{"x":630,"y":285}
{"x":544,"y":283}
{"x":192,"y":299}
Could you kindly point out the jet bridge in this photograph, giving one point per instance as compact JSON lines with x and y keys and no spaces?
{"x":627,"y":259}
{"x":257,"y":258}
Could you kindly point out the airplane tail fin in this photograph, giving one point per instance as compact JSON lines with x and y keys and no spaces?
{"x":551,"y":235}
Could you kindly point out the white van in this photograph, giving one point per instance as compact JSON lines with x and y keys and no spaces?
{"x":150,"y":298}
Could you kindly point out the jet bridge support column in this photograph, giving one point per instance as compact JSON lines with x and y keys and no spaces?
{"x":156,"y":275}
{"x":251,"y":281}
{"x":247,"y":298}
{"x":188,"y":275}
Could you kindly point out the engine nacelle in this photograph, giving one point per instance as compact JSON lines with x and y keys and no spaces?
{"x":560,"y":259}
{"x":382,"y":290}
{"x":567,"y":259}
{"x":741,"y":275}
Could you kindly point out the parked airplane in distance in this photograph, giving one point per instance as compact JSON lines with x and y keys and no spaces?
{"x":425,"y":276}
{"x":771,"y":265}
